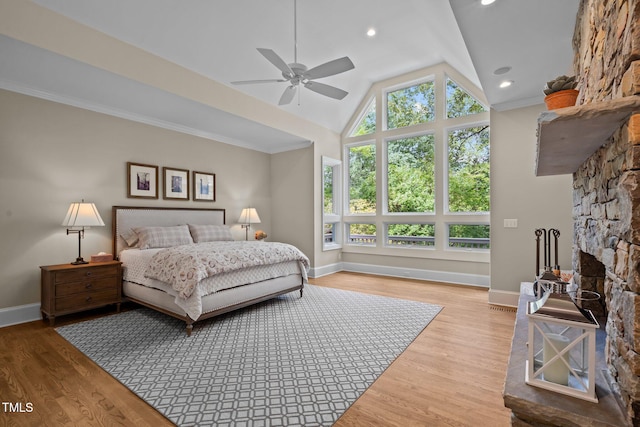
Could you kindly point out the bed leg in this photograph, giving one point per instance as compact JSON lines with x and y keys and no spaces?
{"x":189,"y":329}
{"x":301,"y":289}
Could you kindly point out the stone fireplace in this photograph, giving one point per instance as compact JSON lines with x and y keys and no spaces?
{"x":606,"y":188}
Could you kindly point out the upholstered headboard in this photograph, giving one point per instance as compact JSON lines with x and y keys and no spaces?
{"x":125,"y":218}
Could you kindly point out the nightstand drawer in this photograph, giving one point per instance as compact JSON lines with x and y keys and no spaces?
{"x":90,"y":284}
{"x":85,"y":273}
{"x":87,"y":299}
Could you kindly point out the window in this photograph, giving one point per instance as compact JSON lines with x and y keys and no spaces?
{"x":331,"y":203}
{"x":411,"y":174}
{"x":460,"y":102}
{"x":411,"y":235}
{"x":469,"y":169}
{"x":362,"y":234}
{"x":465,"y":236}
{"x":367,"y":123}
{"x":362,"y":178}
{"x":411,"y":105}
{"x":419,"y":187}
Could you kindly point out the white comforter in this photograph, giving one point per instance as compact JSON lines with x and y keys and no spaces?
{"x":137,"y":262}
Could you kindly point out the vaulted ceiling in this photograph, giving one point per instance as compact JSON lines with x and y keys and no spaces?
{"x":218,"y":39}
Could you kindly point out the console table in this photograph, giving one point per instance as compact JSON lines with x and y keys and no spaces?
{"x":536,"y":406}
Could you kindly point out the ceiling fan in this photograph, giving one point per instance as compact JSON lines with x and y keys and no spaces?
{"x":298,"y":74}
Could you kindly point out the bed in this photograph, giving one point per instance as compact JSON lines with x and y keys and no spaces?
{"x":162,"y":251}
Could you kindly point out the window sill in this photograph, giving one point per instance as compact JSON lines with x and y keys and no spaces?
{"x":331,"y":247}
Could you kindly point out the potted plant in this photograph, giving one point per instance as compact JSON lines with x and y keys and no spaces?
{"x":560,"y":92}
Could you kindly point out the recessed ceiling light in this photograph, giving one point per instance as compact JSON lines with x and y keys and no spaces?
{"x":371,"y":32}
{"x":502,"y":70}
{"x":506,"y":83}
{"x":486,"y":2}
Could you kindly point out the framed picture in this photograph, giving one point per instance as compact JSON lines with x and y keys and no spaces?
{"x":176,"y":183}
{"x":204,"y":186}
{"x":142,"y":181}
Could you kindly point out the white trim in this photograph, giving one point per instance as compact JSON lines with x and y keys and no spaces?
{"x":325,"y":270}
{"x":19,"y":314}
{"x":521,"y":103}
{"x":414,"y":273}
{"x":506,"y":298}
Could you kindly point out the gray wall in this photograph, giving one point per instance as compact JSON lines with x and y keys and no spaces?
{"x":52,"y":154}
{"x":516,"y":193}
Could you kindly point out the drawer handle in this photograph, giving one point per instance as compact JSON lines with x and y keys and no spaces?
{"x":88,"y":273}
{"x":88,"y":286}
{"x":88,"y":299}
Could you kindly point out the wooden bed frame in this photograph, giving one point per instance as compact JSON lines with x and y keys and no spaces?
{"x":125,"y":218}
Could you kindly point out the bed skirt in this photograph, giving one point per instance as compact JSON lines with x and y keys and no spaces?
{"x":216,"y":303}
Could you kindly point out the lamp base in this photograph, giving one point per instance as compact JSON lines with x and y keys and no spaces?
{"x":79,"y":261}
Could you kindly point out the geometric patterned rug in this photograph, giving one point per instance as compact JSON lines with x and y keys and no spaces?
{"x":289,"y":361}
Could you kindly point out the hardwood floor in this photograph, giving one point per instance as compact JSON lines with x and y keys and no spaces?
{"x":451,"y":375}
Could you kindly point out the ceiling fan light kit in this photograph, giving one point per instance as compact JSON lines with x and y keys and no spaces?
{"x":298,"y":74}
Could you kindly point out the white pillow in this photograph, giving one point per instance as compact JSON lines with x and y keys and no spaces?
{"x":210,"y":233}
{"x":130,"y":237}
{"x":163,"y":237}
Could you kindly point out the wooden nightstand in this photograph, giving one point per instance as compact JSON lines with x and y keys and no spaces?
{"x":67,"y":288}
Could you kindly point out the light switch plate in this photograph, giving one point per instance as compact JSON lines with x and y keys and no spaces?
{"x":510,"y":223}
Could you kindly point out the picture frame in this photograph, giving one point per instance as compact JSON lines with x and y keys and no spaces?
{"x":142,"y":181}
{"x":204,"y":186}
{"x":176,"y":184}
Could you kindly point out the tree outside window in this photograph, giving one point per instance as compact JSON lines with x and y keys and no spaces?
{"x":410,"y":106}
{"x":362,"y":179}
{"x":411,"y":174}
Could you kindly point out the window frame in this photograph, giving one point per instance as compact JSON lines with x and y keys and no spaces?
{"x":439,"y":127}
{"x":335,"y":218}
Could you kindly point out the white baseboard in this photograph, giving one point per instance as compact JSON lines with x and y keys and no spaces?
{"x":414,"y":273}
{"x":507,"y":298}
{"x":19,"y":314}
{"x":30,"y":312}
{"x":325,"y":270}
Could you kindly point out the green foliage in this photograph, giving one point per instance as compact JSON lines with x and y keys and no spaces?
{"x":469,"y":170}
{"x":362,"y":179}
{"x":463,"y":230}
{"x":411,"y":174}
{"x":411,"y":105}
{"x":368,"y":123}
{"x":413,"y":230}
{"x":328,"y":190}
{"x":365,"y":229}
{"x":461,"y":103}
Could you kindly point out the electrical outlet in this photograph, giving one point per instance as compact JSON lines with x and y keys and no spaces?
{"x":510,"y":223}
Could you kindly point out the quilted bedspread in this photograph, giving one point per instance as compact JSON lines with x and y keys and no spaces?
{"x":184,"y":266}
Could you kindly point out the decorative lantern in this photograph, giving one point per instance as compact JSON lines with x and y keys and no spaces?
{"x":562,"y":345}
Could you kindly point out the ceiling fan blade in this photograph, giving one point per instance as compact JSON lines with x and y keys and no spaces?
{"x":276,"y":60}
{"x":250,"y":82}
{"x":287,"y":95}
{"x":326,"y":90}
{"x":330,"y":68}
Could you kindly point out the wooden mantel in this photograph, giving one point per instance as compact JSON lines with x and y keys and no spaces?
{"x":567,"y":137}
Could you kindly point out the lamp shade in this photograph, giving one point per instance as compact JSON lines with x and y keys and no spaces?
{"x":82,"y":215}
{"x":249,"y":216}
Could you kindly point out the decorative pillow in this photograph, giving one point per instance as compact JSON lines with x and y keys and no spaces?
{"x":163,"y":237}
{"x":210,"y":233}
{"x":130,"y":237}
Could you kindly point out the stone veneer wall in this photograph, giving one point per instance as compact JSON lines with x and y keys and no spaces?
{"x":606,"y":195}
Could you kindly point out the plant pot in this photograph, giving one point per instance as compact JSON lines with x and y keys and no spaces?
{"x":561,"y":99}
